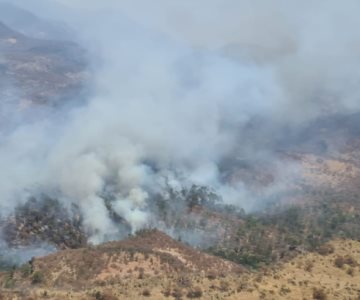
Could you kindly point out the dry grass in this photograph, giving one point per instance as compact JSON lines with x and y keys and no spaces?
{"x":292,"y":280}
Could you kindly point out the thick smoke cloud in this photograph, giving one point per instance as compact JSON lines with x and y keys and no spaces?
{"x":176,"y":84}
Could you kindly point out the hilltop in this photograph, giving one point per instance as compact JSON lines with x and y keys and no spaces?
{"x":150,"y":257}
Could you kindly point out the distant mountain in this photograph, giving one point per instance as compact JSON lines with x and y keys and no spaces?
{"x":28,"y":24}
{"x":39,"y":70}
{"x":5,"y":31}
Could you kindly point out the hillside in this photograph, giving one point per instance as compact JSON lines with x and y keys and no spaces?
{"x":29,"y":24}
{"x":153,"y":266}
{"x":150,"y":257}
{"x":331,"y":274}
{"x":41,"y":71}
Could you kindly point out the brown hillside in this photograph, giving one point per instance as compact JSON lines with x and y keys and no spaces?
{"x":149,"y":253}
{"x":333,"y":273}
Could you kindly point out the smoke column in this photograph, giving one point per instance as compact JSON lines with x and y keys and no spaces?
{"x":175,"y":84}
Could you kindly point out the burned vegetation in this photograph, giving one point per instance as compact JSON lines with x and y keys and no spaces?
{"x":44,"y":221}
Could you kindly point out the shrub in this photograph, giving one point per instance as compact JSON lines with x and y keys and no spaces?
{"x":109,"y":296}
{"x":339,"y":262}
{"x":141,"y":275}
{"x":167,"y":292}
{"x":26,"y":270}
{"x":184,"y":281}
{"x":326,"y":249}
{"x":350,"y":271}
{"x":177,"y":293}
{"x":9,"y":282}
{"x":349,"y":260}
{"x":37,"y":278}
{"x":211,"y":275}
{"x":195,"y":292}
{"x":319,"y":294}
{"x":146,"y":293}
{"x":224,"y":286}
{"x":98,"y":295}
{"x":308,"y":266}
{"x":284,"y":290}
{"x":242,"y":286}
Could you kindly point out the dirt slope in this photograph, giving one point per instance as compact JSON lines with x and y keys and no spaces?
{"x":108,"y":272}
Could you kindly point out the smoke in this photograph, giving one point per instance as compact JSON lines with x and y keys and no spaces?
{"x":10,"y":257}
{"x":177,"y":85}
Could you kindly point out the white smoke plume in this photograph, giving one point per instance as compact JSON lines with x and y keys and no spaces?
{"x":175,"y":84}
